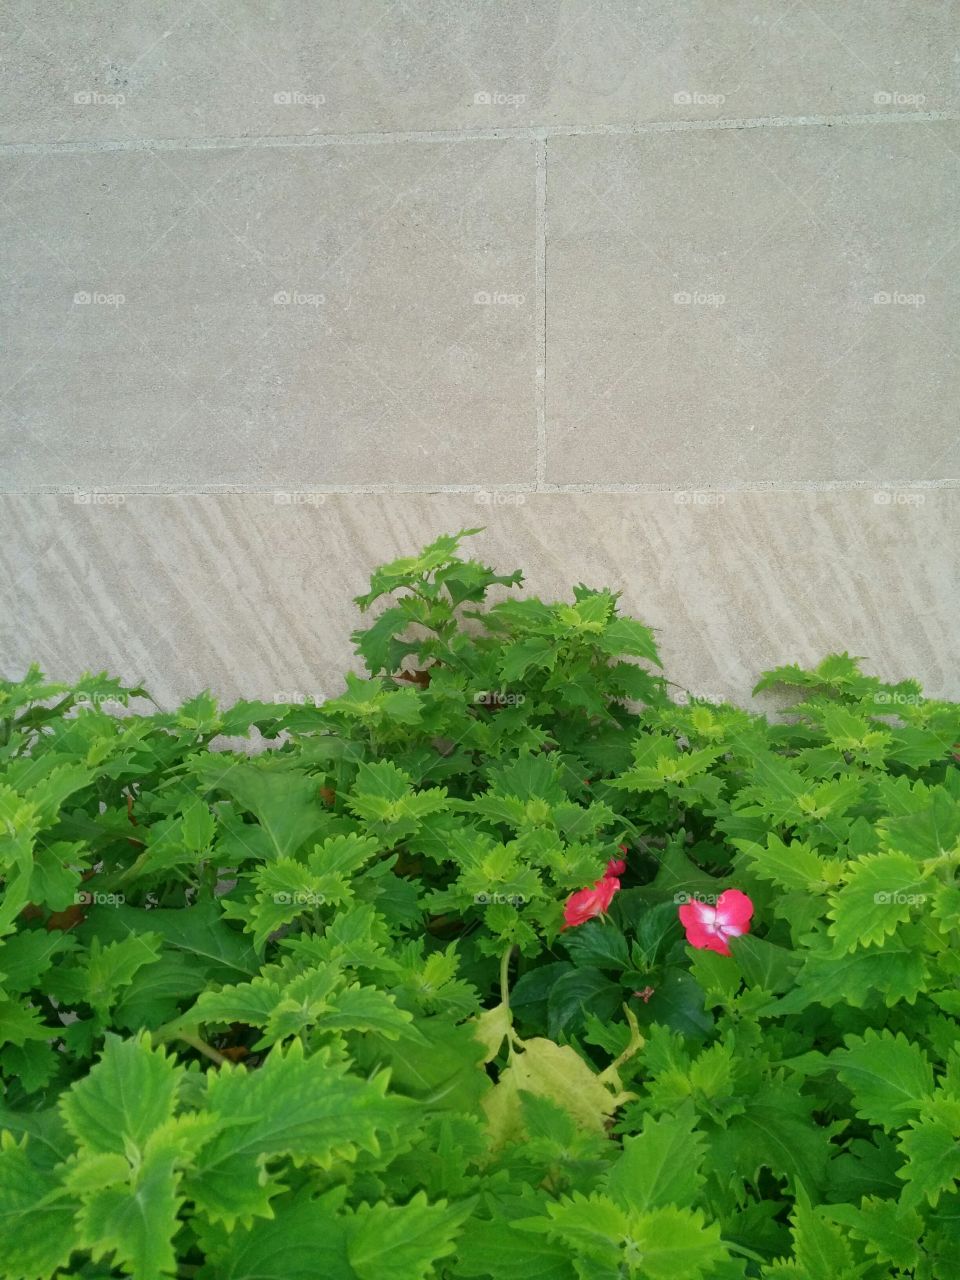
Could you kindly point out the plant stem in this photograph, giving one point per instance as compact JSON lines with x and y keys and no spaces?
{"x":201,"y":1046}
{"x":505,"y":976}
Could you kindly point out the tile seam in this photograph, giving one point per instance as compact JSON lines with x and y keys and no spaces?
{"x":380,"y":490}
{"x":541,"y":310}
{"x":494,"y":133}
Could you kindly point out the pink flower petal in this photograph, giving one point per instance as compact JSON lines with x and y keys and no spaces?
{"x":734,"y":910}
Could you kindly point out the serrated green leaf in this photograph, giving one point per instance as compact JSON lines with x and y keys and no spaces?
{"x":126,"y":1095}
{"x":307,"y":1108}
{"x":37,"y":1233}
{"x":660,"y":1166}
{"x":402,"y":1242}
{"x":888,"y":1076}
{"x":880,"y":893}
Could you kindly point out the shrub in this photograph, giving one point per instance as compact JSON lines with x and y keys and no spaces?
{"x":408,"y":993}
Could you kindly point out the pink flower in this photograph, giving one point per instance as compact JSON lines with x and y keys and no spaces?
{"x":708,"y":928}
{"x":587,"y":903}
{"x":617,"y":866}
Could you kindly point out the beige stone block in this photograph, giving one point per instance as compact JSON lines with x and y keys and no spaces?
{"x":239,"y":68}
{"x":342,"y":315}
{"x":773,"y":305}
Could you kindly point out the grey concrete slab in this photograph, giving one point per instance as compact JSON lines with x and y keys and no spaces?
{"x":270,"y":316}
{"x":775,"y":304}
{"x":200,"y":68}
{"x":254,"y":598}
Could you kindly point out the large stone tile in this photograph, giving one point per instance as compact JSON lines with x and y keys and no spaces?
{"x":252,"y":598}
{"x":269,"y":317}
{"x":774,"y":304}
{"x":194,"y":68}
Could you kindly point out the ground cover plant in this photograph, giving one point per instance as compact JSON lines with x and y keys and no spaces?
{"x":509,"y":962}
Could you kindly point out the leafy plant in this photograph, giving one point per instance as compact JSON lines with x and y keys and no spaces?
{"x":410,"y":994}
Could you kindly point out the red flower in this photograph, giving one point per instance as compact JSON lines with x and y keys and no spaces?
{"x":708,"y":928}
{"x":587,"y":903}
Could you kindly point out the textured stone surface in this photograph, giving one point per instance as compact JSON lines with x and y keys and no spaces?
{"x":292,"y":247}
{"x":255,"y":599}
{"x":760,"y":304}
{"x":277,"y":316}
{"x":247,"y":67}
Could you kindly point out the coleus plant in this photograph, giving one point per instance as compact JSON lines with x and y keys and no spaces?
{"x":506,"y":962}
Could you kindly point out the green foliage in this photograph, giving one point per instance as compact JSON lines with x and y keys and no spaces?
{"x":313,"y":1010}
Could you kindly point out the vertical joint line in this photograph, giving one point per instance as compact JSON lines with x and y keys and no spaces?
{"x":541,"y":309}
